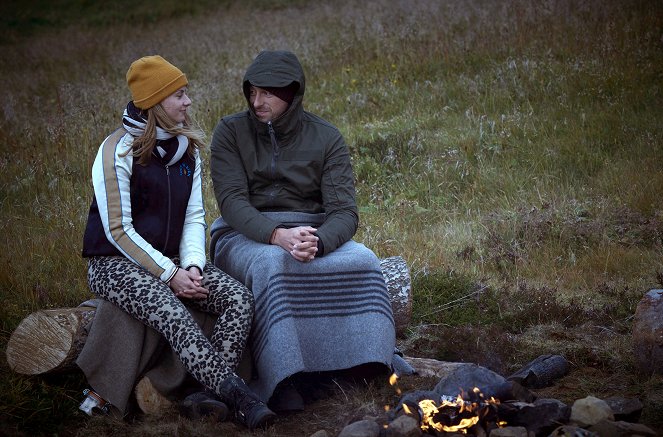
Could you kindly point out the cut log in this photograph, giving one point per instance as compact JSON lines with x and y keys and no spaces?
{"x":148,"y":398}
{"x":397,"y":276}
{"x":541,"y":372}
{"x":50,"y":340}
{"x":431,"y":368}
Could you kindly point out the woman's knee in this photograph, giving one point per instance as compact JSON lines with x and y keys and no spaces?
{"x":227,"y":289}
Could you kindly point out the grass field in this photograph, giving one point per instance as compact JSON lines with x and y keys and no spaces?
{"x":510,"y":151}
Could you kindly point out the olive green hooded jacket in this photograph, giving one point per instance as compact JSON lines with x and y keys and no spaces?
{"x":297,"y":162}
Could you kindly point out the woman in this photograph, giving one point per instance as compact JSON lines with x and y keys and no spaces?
{"x":145,"y":237}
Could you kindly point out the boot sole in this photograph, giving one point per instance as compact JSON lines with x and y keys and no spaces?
{"x":266,"y":421}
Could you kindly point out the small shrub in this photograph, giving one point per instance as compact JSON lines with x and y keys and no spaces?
{"x":451,"y":298}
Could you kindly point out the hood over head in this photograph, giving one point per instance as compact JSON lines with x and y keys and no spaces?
{"x":275,"y":69}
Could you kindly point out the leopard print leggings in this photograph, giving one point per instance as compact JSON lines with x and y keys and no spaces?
{"x":150,"y":300}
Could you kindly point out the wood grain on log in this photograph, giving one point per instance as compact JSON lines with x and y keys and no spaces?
{"x":148,"y":398}
{"x":49,"y":340}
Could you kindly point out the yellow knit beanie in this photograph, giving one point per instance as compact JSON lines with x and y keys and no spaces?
{"x":151,"y":79}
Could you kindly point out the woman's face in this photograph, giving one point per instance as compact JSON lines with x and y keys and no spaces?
{"x":176,"y":105}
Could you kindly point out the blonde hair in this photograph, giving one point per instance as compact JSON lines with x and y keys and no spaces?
{"x":156,"y":116}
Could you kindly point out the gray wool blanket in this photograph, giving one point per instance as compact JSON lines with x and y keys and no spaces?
{"x":332,"y":313}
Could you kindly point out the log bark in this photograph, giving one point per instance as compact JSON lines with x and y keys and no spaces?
{"x":49,"y":341}
{"x":541,"y":372}
{"x":397,"y":276}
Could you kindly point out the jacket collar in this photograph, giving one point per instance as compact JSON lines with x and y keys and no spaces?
{"x":286,"y":125}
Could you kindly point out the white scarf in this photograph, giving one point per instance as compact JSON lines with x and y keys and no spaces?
{"x":137,"y":127}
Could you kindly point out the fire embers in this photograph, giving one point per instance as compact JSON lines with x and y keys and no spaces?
{"x":458,"y":415}
{"x":455,"y":415}
{"x":469,"y":413}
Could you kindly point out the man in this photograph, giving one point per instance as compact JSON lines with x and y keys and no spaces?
{"x":284,"y":184}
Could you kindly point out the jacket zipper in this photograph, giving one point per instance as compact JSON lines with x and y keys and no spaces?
{"x":275,"y":155}
{"x":165,"y":244}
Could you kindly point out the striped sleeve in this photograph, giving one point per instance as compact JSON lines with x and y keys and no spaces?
{"x":111,"y":175}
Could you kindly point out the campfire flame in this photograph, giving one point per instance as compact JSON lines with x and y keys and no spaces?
{"x":450,"y":415}
{"x":429,"y":409}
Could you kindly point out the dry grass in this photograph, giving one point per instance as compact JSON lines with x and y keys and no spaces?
{"x":509,"y":151}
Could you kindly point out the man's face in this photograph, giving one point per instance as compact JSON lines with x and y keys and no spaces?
{"x":266,"y":105}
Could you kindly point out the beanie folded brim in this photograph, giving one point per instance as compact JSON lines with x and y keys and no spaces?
{"x":162,"y":93}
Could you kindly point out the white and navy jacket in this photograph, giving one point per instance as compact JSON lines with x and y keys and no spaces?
{"x":148,"y":213}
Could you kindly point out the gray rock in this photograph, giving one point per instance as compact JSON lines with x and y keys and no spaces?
{"x":590,"y":411}
{"x":321,"y":433}
{"x":541,"y":417}
{"x":466,"y":377}
{"x":510,"y":391}
{"x":362,"y":428}
{"x":648,"y":333}
{"x":625,"y":409}
{"x":509,"y":431}
{"x":411,"y":400}
{"x":403,"y":426}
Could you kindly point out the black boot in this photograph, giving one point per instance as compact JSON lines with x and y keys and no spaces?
{"x":248,"y":408}
{"x":203,"y":404}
